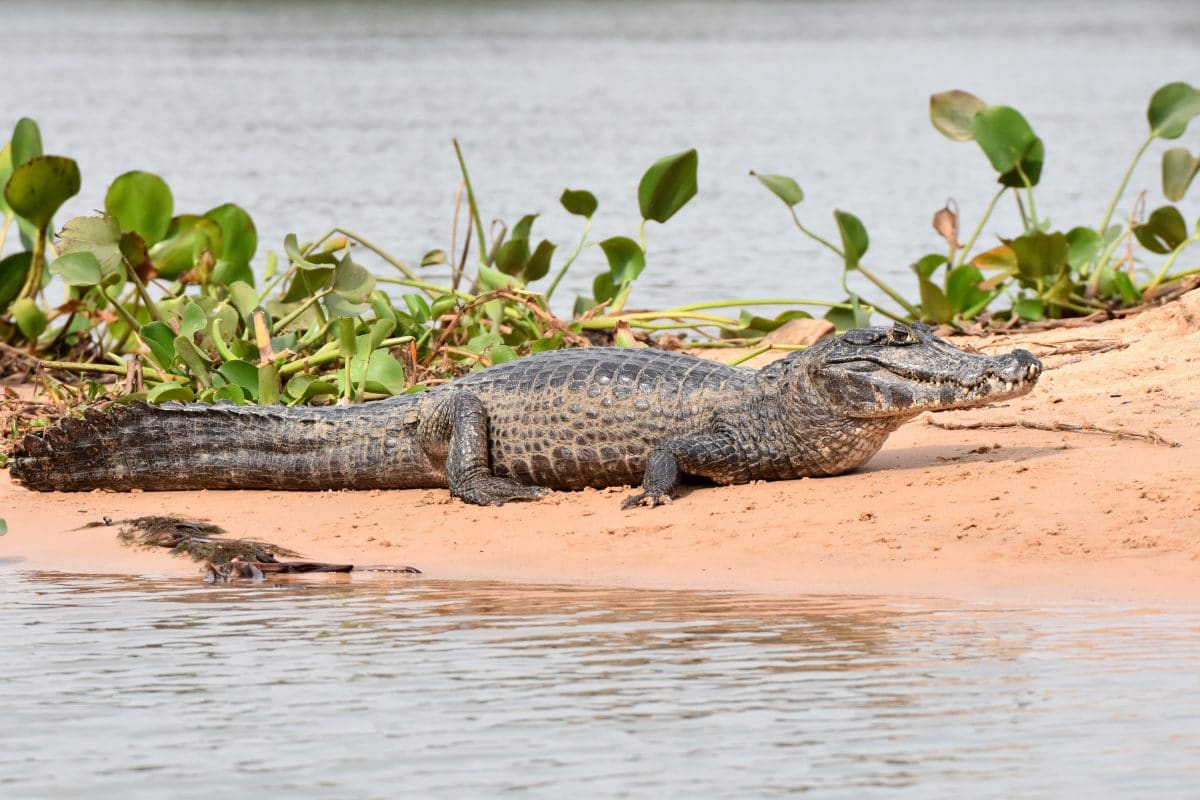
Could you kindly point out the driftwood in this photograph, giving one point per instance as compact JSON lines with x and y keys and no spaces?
{"x":1066,"y":427}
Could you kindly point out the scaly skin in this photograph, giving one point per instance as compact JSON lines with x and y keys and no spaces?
{"x":560,"y":420}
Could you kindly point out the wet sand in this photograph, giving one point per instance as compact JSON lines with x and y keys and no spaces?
{"x":1006,"y":515}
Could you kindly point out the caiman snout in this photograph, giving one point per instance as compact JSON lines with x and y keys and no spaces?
{"x":1019,"y":366}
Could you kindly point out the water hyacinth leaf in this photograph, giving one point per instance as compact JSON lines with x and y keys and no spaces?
{"x":225,"y":272}
{"x":1171,"y":108}
{"x":625,"y":259}
{"x":1129,"y":293}
{"x":380,"y":330}
{"x":962,"y":289}
{"x":927,"y":265}
{"x":39,"y":187}
{"x":511,"y":256}
{"x":244,"y":298}
{"x":77,"y":269}
{"x":602,"y":291}
{"x":998,"y":258}
{"x":170,"y":391}
{"x":243,"y":374}
{"x":188,"y":237}
{"x":306,"y":283}
{"x":337,"y":306}
{"x":29,"y":318}
{"x":498,"y":354}
{"x":12,"y":276}
{"x":934,"y":305}
{"x":783,"y":187}
{"x":418,"y":307}
{"x":239,"y":237}
{"x":1039,"y":255}
{"x":433,"y":258}
{"x":854,"y":238}
{"x":292,"y":248}
{"x":141,"y":202}
{"x":161,"y":341}
{"x":579,"y":202}
{"x":668,"y":185}
{"x":1009,"y":144}
{"x":538,"y":265}
{"x":100,"y":236}
{"x":856,"y":316}
{"x":1178,"y":170}
{"x":1163,"y":231}
{"x":492,"y":279}
{"x":230,"y":393}
{"x":1083,"y":244}
{"x":26,"y":141}
{"x":385,"y":375}
{"x":442,"y":305}
{"x":351,"y":282}
{"x":304,"y":387}
{"x":952,"y":114}
{"x":193,"y":321}
{"x":523,"y":227}
{"x":196,"y":361}
{"x":1030,"y":309}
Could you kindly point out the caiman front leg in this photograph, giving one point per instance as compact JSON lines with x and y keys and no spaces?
{"x":713,"y":456}
{"x":468,"y":471}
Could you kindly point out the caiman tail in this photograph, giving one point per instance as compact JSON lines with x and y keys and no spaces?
{"x":198,"y":446}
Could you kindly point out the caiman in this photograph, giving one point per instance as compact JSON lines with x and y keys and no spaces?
{"x":566,"y":419}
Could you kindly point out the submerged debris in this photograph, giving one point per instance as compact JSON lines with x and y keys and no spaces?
{"x":225,"y":559}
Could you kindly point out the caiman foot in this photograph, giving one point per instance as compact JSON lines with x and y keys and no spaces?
{"x":648,"y":499}
{"x":493,"y":491}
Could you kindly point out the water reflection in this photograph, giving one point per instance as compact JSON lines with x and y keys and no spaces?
{"x":430,"y":688}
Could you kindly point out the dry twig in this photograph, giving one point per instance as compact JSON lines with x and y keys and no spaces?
{"x":1064,"y":427}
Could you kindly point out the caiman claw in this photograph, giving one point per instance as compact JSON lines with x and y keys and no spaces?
{"x":648,"y":499}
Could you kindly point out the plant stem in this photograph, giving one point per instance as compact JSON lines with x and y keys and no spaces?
{"x":33,"y":279}
{"x":8,"y":218}
{"x":571,"y":260}
{"x":324,"y":356}
{"x":1162,"y":272}
{"x":641,"y":235}
{"x":428,"y":288}
{"x":815,"y":237}
{"x":889,"y":291}
{"x":1116,"y":198}
{"x":307,"y":304}
{"x":462,"y":165}
{"x":987,"y":212}
{"x":758,"y":301}
{"x":1021,"y":208}
{"x":143,"y":293}
{"x":109,"y":369}
{"x":766,"y":348}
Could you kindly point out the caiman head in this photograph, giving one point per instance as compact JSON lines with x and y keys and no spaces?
{"x":903,"y":370}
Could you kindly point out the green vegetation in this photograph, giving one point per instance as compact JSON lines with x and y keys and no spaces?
{"x":1040,"y":272}
{"x":170,"y":304}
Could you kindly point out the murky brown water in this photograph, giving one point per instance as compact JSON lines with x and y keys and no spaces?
{"x":124,"y":688}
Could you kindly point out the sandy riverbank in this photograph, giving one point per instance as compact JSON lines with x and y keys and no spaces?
{"x":1008,"y":515}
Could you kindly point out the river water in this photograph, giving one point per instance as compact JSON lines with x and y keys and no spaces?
{"x":312,"y":114}
{"x":115,"y":687}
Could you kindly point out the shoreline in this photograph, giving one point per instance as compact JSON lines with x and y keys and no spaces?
{"x":995,"y":515}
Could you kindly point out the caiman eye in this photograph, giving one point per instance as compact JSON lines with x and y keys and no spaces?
{"x":900,"y":334}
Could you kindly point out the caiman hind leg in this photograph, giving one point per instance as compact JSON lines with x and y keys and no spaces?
{"x":468,"y":471}
{"x":713,"y":456}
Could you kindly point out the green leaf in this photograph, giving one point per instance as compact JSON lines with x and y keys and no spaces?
{"x":13,"y":271}
{"x":418,"y":307}
{"x":783,"y":187}
{"x":1130,"y":296}
{"x":625,"y":259}
{"x":1178,"y":170}
{"x":846,"y":318}
{"x":523,"y":227}
{"x":39,"y":187}
{"x":962,"y":289}
{"x":293,"y":253}
{"x":442,"y":305}
{"x":141,"y":202}
{"x":1082,"y":246}
{"x":434,"y":257}
{"x":1164,"y":231}
{"x":602,"y":289}
{"x":1009,"y":144}
{"x":308,"y":281}
{"x":491,"y":279}
{"x":188,"y":236}
{"x":304,"y":387}
{"x":512,"y":255}
{"x":1030,"y":309}
{"x":268,"y":384}
{"x":26,"y":141}
{"x":229,"y":393}
{"x":170,"y":391}
{"x":351,"y":282}
{"x":3,"y":527}
{"x":998,"y":258}
{"x":161,"y":341}
{"x":668,"y":185}
{"x":30,"y":319}
{"x":579,"y":202}
{"x":854,"y":238}
{"x":953,"y":112}
{"x":1040,"y":256}
{"x":1171,"y":109}
{"x":100,"y":236}
{"x":196,"y":361}
{"x":244,"y":298}
{"x":538,"y":264}
{"x":385,"y":375}
{"x":239,"y":237}
{"x":77,"y":269}
{"x":193,"y":321}
{"x":242,"y":374}
{"x":927,"y":265}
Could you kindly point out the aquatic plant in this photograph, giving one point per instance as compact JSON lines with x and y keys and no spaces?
{"x":1039,"y":272}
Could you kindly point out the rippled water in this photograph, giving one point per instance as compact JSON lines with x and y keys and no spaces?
{"x":117,"y":687}
{"x":318,"y":113}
